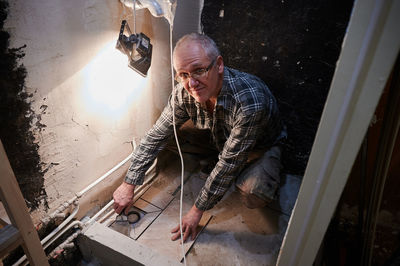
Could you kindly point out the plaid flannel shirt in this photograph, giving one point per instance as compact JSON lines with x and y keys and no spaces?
{"x":245,"y":118}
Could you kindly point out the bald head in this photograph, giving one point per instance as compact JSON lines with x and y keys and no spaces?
{"x":205,"y":42}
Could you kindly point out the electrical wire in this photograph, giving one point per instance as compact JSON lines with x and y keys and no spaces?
{"x":179,"y":148}
{"x":134,"y":16}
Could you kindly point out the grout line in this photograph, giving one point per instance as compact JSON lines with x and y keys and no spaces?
{"x":153,"y":204}
{"x":161,"y":211}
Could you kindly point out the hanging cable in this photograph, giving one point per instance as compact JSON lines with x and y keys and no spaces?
{"x":179,"y":148}
{"x":134,"y":16}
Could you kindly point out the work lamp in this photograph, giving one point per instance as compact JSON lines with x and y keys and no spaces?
{"x":137,"y":47}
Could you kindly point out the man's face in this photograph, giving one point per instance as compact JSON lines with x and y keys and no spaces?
{"x":189,"y":58}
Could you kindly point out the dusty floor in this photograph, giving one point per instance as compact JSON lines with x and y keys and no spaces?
{"x":232,"y":233}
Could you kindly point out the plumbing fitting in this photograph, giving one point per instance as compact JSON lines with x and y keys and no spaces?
{"x":66,"y":244}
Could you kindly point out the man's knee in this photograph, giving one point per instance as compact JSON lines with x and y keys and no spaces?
{"x":252,"y":201}
{"x":258,"y":184}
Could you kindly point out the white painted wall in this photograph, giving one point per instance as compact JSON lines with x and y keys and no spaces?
{"x":92,"y":104}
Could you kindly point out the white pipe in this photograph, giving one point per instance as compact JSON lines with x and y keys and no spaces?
{"x":66,"y":244}
{"x":138,"y":192}
{"x":79,"y":223}
{"x":86,"y":189}
{"x":65,"y":205}
{"x":59,"y":210}
{"x":49,"y":236}
{"x":64,"y":223}
{"x":108,"y":214}
{"x":44,"y":243}
{"x":80,"y":193}
{"x":100,"y":212}
{"x":62,"y":245}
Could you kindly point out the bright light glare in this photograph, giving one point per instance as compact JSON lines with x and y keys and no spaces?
{"x":110,"y":85}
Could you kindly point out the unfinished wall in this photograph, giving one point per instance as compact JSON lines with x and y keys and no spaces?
{"x":293,"y":47}
{"x":89,"y":105}
{"x":15,"y":116}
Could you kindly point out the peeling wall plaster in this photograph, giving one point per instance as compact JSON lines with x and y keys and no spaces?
{"x":15,"y":118}
{"x":85,"y":131}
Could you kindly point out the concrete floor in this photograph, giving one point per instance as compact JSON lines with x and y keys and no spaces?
{"x":232,"y":234}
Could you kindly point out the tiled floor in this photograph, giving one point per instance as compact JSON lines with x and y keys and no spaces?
{"x":233,"y":235}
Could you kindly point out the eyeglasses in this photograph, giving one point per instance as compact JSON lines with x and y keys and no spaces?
{"x":198,"y":73}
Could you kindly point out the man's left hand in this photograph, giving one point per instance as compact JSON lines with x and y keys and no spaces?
{"x":189,"y":224}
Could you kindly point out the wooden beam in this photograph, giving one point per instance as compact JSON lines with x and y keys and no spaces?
{"x":4,"y":220}
{"x":15,"y":206}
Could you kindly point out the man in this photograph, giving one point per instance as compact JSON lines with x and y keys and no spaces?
{"x":243,"y":118}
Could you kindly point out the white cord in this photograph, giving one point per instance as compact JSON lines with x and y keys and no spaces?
{"x":179,"y":148}
{"x":134,"y":17}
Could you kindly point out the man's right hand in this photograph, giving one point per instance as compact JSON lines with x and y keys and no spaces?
{"x":123,"y":197}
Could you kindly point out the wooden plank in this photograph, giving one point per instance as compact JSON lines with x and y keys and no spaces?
{"x":4,"y":220}
{"x":10,"y":238}
{"x":14,"y":203}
